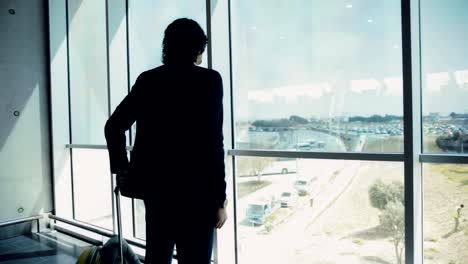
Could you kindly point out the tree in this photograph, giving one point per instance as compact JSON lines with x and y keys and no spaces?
{"x":389,"y":199}
{"x":380,"y":193}
{"x":259,"y":164}
{"x":375,"y":118}
{"x":392,"y":220}
{"x":298,"y":119}
{"x":253,"y":166}
{"x":274,"y":123}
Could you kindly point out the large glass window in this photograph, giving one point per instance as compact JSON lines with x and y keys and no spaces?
{"x":316,"y":75}
{"x":88,"y":70}
{"x":92,"y":187}
{"x":445,"y":214}
{"x":444,"y":64}
{"x":307,"y":75}
{"x":319,"y":211}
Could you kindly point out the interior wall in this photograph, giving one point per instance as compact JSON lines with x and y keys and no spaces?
{"x":25,"y":173}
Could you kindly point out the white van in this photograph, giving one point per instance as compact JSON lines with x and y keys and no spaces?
{"x":304,"y":186}
{"x":257,"y":212}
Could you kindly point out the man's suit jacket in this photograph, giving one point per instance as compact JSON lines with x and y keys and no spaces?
{"x":178,"y":153}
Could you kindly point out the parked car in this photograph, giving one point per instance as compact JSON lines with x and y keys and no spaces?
{"x":288,"y":199}
{"x":258,"y":211}
{"x":303,"y":146}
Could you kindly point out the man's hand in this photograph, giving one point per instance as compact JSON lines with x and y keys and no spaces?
{"x":221,"y":217}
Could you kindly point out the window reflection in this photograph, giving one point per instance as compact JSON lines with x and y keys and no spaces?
{"x":329,"y":73}
{"x":444,"y":76}
{"x":88,"y":70}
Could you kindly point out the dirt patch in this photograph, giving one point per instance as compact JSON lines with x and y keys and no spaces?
{"x":277,"y":218}
{"x":396,"y":144}
{"x":386,"y":144}
{"x":444,"y":190}
{"x":373,"y":233}
{"x":353,"y":224}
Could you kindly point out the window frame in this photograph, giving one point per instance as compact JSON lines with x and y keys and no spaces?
{"x":412,"y":156}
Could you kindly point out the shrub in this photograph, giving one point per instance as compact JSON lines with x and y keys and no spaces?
{"x":380,"y":194}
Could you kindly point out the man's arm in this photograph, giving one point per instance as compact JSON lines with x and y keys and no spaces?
{"x":219,"y":170}
{"x":119,"y":122}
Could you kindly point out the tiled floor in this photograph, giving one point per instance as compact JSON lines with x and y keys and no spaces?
{"x":40,"y":249}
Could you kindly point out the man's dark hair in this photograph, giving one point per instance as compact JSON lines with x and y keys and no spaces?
{"x":183,"y":40}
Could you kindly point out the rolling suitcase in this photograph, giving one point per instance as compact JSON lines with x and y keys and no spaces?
{"x":115,"y":251}
{"x":125,"y":252}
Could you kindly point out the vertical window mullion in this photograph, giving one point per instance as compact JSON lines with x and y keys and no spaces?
{"x":408,"y":130}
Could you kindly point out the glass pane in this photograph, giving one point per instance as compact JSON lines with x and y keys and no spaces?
{"x":147,"y":22}
{"x":444,"y":65}
{"x":92,"y":187}
{"x":315,"y":75}
{"x":88,"y":70}
{"x":226,"y":235}
{"x":319,"y":211}
{"x":445,"y":213}
{"x":126,"y":214}
{"x":140,"y":222}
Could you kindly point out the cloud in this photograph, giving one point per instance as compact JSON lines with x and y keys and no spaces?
{"x":461,"y":77}
{"x":360,"y":86}
{"x":435,"y":80}
{"x":290,"y":93}
{"x":260,"y":96}
{"x":312,"y":91}
{"x":394,"y":86}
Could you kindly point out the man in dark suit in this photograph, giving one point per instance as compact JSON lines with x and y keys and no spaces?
{"x":178,"y":157}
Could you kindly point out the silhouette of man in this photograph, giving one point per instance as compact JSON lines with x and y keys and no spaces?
{"x":178,"y":157}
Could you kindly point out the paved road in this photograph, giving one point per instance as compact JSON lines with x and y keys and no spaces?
{"x":279,"y":246}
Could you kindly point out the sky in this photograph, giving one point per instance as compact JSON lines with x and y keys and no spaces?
{"x":319,"y":58}
{"x":334,"y":58}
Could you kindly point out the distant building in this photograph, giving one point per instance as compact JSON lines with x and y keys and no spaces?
{"x":340,"y":119}
{"x":434,"y":116}
{"x":458,"y":116}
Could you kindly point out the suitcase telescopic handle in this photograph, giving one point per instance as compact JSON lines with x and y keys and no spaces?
{"x":119,"y":223}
